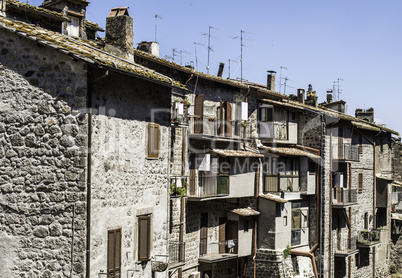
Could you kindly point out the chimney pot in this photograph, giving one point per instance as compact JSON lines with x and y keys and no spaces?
{"x":329,"y":96}
{"x":221,"y":67}
{"x":300,"y":95}
{"x":271,"y":80}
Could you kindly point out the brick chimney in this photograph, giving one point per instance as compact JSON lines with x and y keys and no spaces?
{"x":271,"y":80}
{"x":120,"y":33}
{"x":149,"y":47}
{"x":329,"y":96}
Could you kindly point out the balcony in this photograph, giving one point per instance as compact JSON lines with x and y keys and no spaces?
{"x":345,"y":247}
{"x":176,"y":252}
{"x":369,"y":238}
{"x":219,"y":251}
{"x":209,"y":186}
{"x":345,"y":151}
{"x":211,"y":127}
{"x":342,"y":197}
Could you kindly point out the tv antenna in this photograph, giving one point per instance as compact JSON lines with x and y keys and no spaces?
{"x":179,"y":52}
{"x":156,"y":25}
{"x":195,"y":49}
{"x":336,"y":88}
{"x":241,"y":51}
{"x":229,"y":66}
{"x":286,"y":80}
{"x":280,"y":77}
{"x":209,"y":43}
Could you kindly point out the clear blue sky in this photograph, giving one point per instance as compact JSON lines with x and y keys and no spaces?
{"x":317,"y":41}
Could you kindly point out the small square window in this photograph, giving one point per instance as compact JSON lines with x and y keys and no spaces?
{"x":153,"y":140}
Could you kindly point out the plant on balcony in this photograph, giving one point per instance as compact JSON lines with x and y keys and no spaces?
{"x":178,"y":191}
{"x":211,"y":119}
{"x":187,"y":102}
{"x":244,"y":124}
{"x":286,"y":251}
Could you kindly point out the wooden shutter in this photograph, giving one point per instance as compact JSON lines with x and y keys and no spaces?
{"x":153,"y":140}
{"x":228,"y":119}
{"x":144,"y":225}
{"x":113,"y":253}
{"x":203,"y":233}
{"x":360,"y":182}
{"x":340,"y":143}
{"x":199,"y":113}
{"x":222,"y":235}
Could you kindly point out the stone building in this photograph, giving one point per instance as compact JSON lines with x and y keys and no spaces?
{"x":84,"y":155}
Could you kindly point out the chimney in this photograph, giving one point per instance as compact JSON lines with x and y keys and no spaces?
{"x":120,"y":33}
{"x":220,"y":71}
{"x":271,"y":80}
{"x":300,"y":95}
{"x":149,"y":47}
{"x":329,"y":96}
{"x":3,"y":7}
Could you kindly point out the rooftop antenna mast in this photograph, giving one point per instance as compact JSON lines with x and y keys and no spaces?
{"x":286,"y":79}
{"x":241,"y":52}
{"x":339,"y":90}
{"x":280,"y":77}
{"x":156,"y":25}
{"x":181,"y":55}
{"x":209,"y":43}
{"x":195,"y":49}
{"x":229,"y":66}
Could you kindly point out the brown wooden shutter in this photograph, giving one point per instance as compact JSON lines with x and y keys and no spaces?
{"x":153,"y":140}
{"x":114,"y":253}
{"x":222,"y":234}
{"x":221,"y":119}
{"x":228,"y":119}
{"x":144,"y":223}
{"x":199,"y":113}
{"x":360,"y":182}
{"x":203,"y":233}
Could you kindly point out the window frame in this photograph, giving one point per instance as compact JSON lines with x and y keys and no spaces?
{"x":264,"y":116}
{"x":148,"y":237}
{"x":112,"y":270}
{"x":152,"y":151}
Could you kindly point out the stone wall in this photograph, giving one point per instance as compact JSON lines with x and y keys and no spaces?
{"x":42,"y":161}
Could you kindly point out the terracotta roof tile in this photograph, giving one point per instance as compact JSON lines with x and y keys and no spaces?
{"x":288,"y":151}
{"x":245,"y":211}
{"x":235,"y":153}
{"x":273,"y":197}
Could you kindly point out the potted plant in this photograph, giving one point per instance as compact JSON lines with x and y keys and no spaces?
{"x":211,"y":119}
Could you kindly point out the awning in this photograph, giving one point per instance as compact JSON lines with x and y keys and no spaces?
{"x":289,"y":151}
{"x":235,"y":153}
{"x":396,"y":216}
{"x":280,"y":103}
{"x":273,"y":197}
{"x":397,"y":184}
{"x":245,"y":212}
{"x":384,"y":177}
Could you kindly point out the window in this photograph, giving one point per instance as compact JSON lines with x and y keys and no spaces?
{"x":266,"y":114}
{"x":144,"y":237}
{"x":113,"y":253}
{"x":299,"y":221}
{"x":360,"y":144}
{"x":360,"y":182}
{"x":153,"y":140}
{"x":366,"y":221}
{"x":245,"y":225}
{"x":73,"y":27}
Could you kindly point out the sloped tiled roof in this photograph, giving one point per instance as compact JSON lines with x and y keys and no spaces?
{"x":273,"y":197}
{"x":36,"y":10}
{"x":288,"y":151}
{"x":145,"y":55}
{"x":235,"y":153}
{"x":82,"y":50}
{"x":245,"y":212}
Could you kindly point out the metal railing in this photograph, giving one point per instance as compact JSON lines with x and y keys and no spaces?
{"x":369,"y":237}
{"x":223,"y":247}
{"x":176,"y":252}
{"x":212,"y":126}
{"x":209,"y":186}
{"x":342,"y":196}
{"x":345,"y":151}
{"x":344,"y":243}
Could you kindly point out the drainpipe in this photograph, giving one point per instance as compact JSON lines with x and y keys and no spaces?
{"x":330,"y":210}
{"x":89,"y":181}
{"x":255,"y":222}
{"x":311,"y":256}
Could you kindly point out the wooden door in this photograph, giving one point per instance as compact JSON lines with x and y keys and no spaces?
{"x":222,"y":234}
{"x":203,"y":233}
{"x":232,"y":233}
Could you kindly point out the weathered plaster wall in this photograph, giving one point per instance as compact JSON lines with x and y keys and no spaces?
{"x":42,"y":161}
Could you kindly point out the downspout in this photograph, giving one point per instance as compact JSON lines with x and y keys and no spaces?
{"x":311,"y":256}
{"x":247,"y":93}
{"x":330,"y":211}
{"x":321,"y":184}
{"x":89,"y":181}
{"x":255,"y":222}
{"x":184,"y":130}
